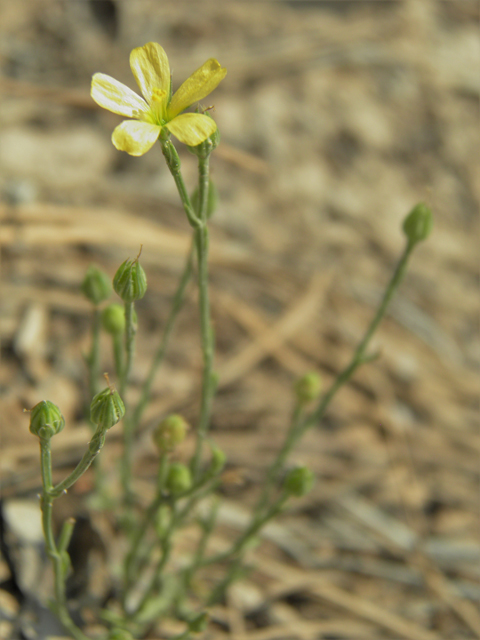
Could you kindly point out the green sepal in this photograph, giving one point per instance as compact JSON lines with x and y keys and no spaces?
{"x":96,"y":285}
{"x":299,"y":481}
{"x":107,"y":408}
{"x":46,"y":420}
{"x":130,"y":281}
{"x":418,"y":225}
{"x":179,"y":478}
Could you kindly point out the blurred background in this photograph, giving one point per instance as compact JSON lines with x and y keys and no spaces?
{"x":336,"y":118}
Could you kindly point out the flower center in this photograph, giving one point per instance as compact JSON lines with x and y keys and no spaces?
{"x":158,"y":106}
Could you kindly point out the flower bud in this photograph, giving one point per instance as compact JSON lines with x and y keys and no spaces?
{"x":217,"y":462}
{"x":205,"y":148}
{"x":199,"y":623}
{"x":299,"y":481}
{"x":418,"y":225}
{"x":179,"y":478}
{"x":120,"y":634}
{"x":130,"y":281}
{"x":96,"y":285}
{"x":308,"y":387}
{"x":113,"y":319}
{"x":107,"y":408}
{"x":212,"y":200}
{"x":171,"y":431}
{"x":46,"y":420}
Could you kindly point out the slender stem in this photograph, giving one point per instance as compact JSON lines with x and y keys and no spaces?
{"x":199,"y":225}
{"x":166,"y":545}
{"x":128,"y":426}
{"x":359,"y":357}
{"x":208,"y":385}
{"x":95,"y":444}
{"x":279,"y":461}
{"x":177,"y":304}
{"x":299,"y":427}
{"x":58,"y":555}
{"x":130,"y":331}
{"x":94,"y":356}
{"x":238,"y":547}
{"x":131,"y":560}
{"x":173,"y":163}
{"x":118,"y":354}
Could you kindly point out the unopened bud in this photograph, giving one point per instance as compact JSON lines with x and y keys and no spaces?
{"x":96,"y":285}
{"x":113,"y":319}
{"x":107,"y":408}
{"x":120,"y":634}
{"x":46,"y":420}
{"x":130,"y":281}
{"x":171,"y":431}
{"x":299,"y":481}
{"x":199,"y":623}
{"x":179,"y":478}
{"x":418,"y":225}
{"x":217,"y":462}
{"x":308,"y":387}
{"x":205,"y":148}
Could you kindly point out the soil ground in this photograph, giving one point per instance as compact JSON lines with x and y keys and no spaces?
{"x":336,"y":118}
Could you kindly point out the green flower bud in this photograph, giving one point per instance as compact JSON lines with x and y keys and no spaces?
{"x":130,"y":281}
{"x":418,"y":225}
{"x":299,"y":481}
{"x":308,"y":387}
{"x":217,"y":462}
{"x":212,"y":201}
{"x":120,"y":634}
{"x":96,"y":285}
{"x":46,"y":420}
{"x":107,"y":408}
{"x":179,"y":478}
{"x":205,"y":148}
{"x":113,"y":319}
{"x":170,"y":432}
{"x":199,"y":623}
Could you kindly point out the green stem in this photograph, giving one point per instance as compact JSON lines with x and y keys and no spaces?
{"x":131,"y":561}
{"x":254,"y":527}
{"x":58,"y":555}
{"x":166,"y":546}
{"x":95,"y":444}
{"x":173,"y":163}
{"x":280,"y":460}
{"x":118,"y":354}
{"x":199,"y":225}
{"x":130,"y":331}
{"x":128,"y":425}
{"x":359,"y":357}
{"x":177,"y":303}
{"x":208,"y":384}
{"x":94,"y":356}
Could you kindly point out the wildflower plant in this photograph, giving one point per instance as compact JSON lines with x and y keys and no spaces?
{"x":149,"y":589}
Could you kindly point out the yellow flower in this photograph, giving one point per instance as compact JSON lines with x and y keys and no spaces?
{"x":159,"y":109}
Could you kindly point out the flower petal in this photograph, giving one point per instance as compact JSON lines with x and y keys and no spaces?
{"x":115,"y":96}
{"x":151,"y":69}
{"x":192,"y":128}
{"x":202,"y":82}
{"x":135,"y":137}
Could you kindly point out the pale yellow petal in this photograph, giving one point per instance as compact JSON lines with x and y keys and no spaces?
{"x":192,"y":128}
{"x":115,"y":96}
{"x":150,"y":67}
{"x":135,"y":137}
{"x":202,"y":82}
